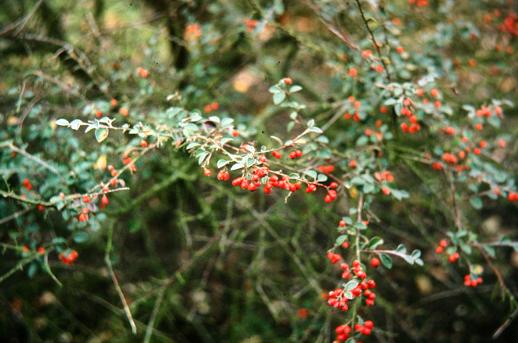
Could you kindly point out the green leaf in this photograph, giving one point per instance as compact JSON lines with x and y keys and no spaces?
{"x":62,"y":122}
{"x":236,"y":166}
{"x":278,"y":97}
{"x":362,"y":140}
{"x":311,"y":173}
{"x":101,"y":134}
{"x":386,"y":260}
{"x":476,"y":202}
{"x":81,"y":237}
{"x":221,"y":163}
{"x":31,"y":271}
{"x":375,"y":242}
{"x":321,"y":178}
{"x":490,"y":250}
{"x":295,"y":89}
{"x":202,"y":156}
{"x":350,"y":285}
{"x":315,"y":129}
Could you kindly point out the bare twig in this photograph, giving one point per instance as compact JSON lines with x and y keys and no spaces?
{"x":14,"y":216}
{"x":373,"y":38}
{"x":38,"y":160}
{"x":107,"y":259}
{"x":504,"y":326}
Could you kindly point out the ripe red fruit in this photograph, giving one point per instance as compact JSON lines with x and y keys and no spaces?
{"x":287,"y":80}
{"x":333,"y":257}
{"x":86,"y":198}
{"x":27,"y":184}
{"x":144,"y":144}
{"x":104,"y":201}
{"x":143,"y":73}
{"x":68,"y":258}
{"x":375,"y":262}
{"x":223,"y":175}
{"x":369,"y":324}
{"x":453,"y":257}
{"x":276,"y":154}
{"x":311,"y":188}
{"x":237,"y":181}
{"x":352,"y":164}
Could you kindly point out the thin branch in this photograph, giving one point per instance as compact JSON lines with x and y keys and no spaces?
{"x":156,"y":308}
{"x":504,"y":326}
{"x":127,"y":310}
{"x":373,"y":38}
{"x":14,"y":216}
{"x":38,"y":160}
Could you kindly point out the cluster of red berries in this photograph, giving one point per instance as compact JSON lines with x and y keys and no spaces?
{"x":469,"y":281}
{"x":369,"y":132}
{"x":127,"y":160}
{"x":262,"y":175}
{"x":213,"y":106}
{"x":69,"y":257}
{"x":295,"y":154}
{"x":337,"y":298}
{"x":443,"y":243}
{"x":356,"y":105}
{"x":486,"y":112}
{"x":412,"y":126}
{"x":103,"y":202}
{"x":344,"y":331}
{"x":27,"y":184}
{"x":40,"y":250}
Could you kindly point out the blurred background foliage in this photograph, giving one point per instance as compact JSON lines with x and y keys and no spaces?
{"x":198,"y":261}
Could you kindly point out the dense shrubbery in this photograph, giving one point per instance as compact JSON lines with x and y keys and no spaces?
{"x":258,"y":171}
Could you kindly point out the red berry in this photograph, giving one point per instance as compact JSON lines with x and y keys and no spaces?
{"x":375,"y":262}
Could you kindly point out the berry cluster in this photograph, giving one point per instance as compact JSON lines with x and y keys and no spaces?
{"x":262,"y":176}
{"x":343,"y":331}
{"x":452,"y":257}
{"x":412,"y":126}
{"x":69,"y":257}
{"x":27,"y":184}
{"x":358,"y":288}
{"x":472,"y":281}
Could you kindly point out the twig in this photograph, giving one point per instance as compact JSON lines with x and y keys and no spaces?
{"x":38,"y":160}
{"x":14,"y":216}
{"x":359,"y":219}
{"x":151,"y":323}
{"x":127,"y":310}
{"x":504,"y":326}
{"x":373,"y":38}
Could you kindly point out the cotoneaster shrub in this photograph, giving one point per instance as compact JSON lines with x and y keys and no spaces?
{"x":389,"y":110}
